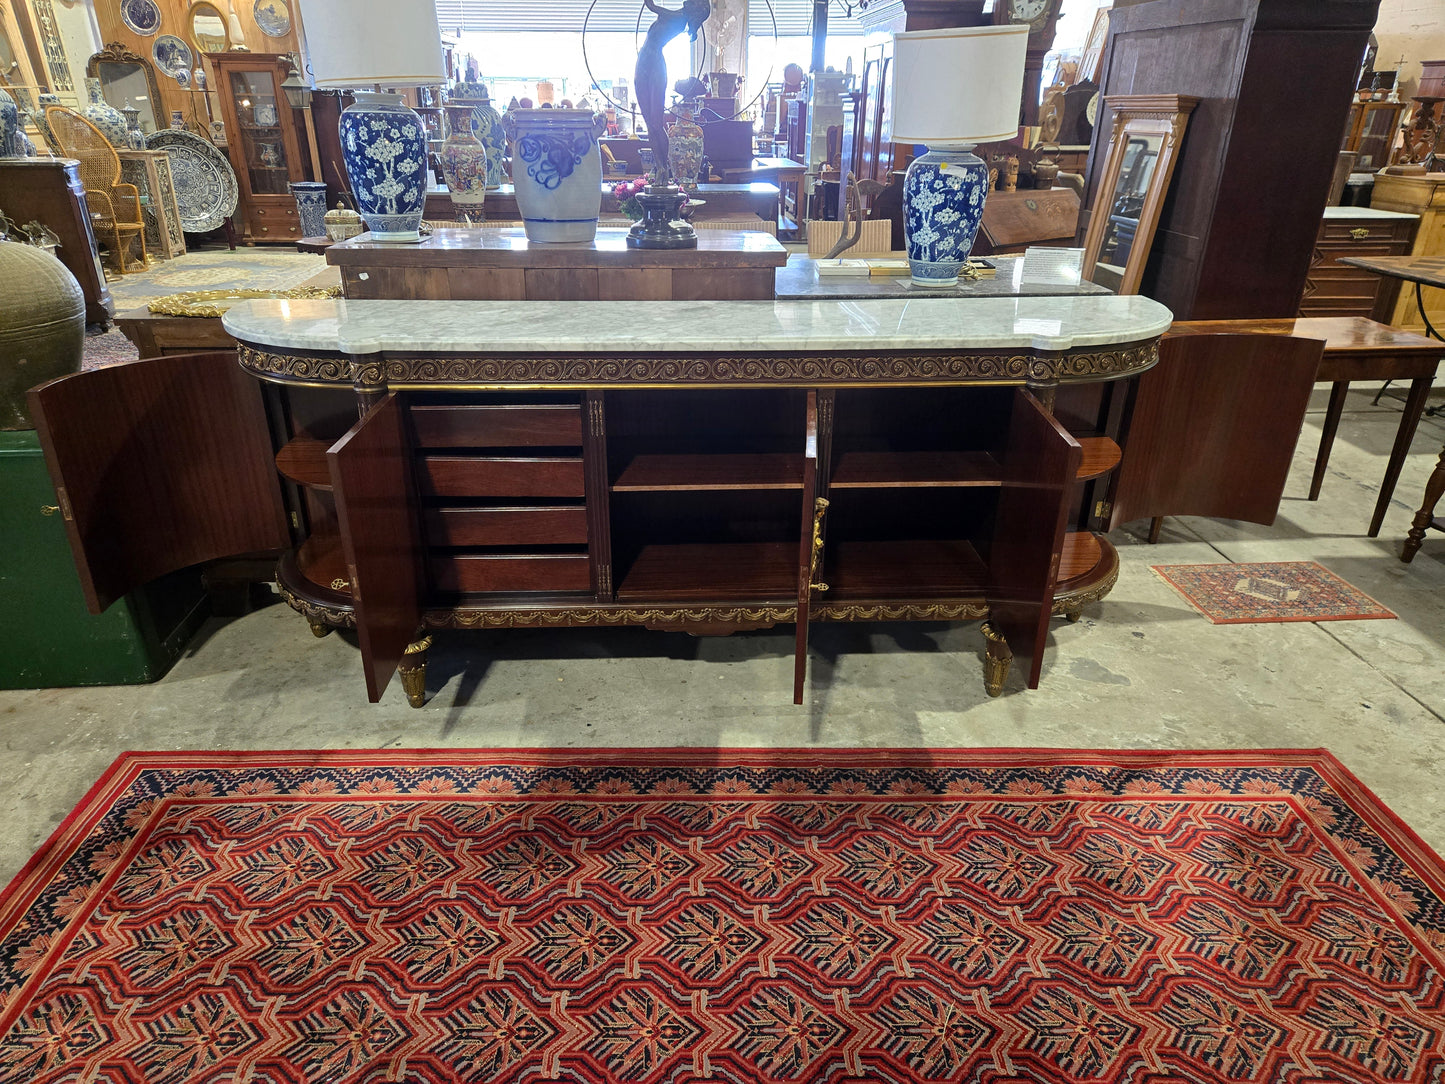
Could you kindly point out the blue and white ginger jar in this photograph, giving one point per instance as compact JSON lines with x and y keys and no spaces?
{"x":943,"y":197}
{"x":310,"y":206}
{"x":384,"y":146}
{"x":9,"y":127}
{"x":557,"y":171}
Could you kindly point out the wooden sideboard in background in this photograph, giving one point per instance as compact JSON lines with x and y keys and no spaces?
{"x":1422,"y":195}
{"x":1335,"y":289}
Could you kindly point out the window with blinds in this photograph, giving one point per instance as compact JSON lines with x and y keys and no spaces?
{"x":794,"y":17}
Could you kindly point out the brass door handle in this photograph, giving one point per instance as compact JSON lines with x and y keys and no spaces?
{"x":820,"y":509}
{"x":49,"y":509}
{"x":1360,"y":234}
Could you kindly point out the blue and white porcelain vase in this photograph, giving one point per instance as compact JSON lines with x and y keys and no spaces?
{"x":104,"y":116}
{"x":487,"y":127}
{"x":383,"y":143}
{"x":943,"y":195}
{"x":557,"y":171}
{"x":9,"y":127}
{"x":134,"y":138}
{"x":45,"y":100}
{"x":310,"y":206}
{"x":463,"y":160}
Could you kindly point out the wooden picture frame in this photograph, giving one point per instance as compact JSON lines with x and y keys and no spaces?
{"x":1143,"y":150}
{"x":117,"y":66}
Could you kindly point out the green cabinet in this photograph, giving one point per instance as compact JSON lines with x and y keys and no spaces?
{"x":47,"y":636}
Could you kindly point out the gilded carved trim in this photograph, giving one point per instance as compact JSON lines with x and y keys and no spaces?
{"x":602,"y":370}
{"x":1070,"y":602}
{"x":316,"y":613}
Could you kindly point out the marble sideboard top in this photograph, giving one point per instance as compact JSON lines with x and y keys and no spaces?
{"x":735,"y":327}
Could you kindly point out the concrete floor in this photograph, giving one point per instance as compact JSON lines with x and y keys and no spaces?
{"x":1141,"y":670}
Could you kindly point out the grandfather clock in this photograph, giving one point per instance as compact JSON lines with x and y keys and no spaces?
{"x":1042,"y":17}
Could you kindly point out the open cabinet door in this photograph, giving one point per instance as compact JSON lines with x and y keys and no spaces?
{"x":376,"y":507}
{"x":159,"y":464}
{"x":1040,"y":464}
{"x":1214,"y":427}
{"x":810,"y":543}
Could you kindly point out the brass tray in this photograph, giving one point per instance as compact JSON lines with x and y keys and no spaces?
{"x":213,"y":303}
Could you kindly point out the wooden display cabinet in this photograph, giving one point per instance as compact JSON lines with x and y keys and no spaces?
{"x":1372,"y":131}
{"x":264,"y":143}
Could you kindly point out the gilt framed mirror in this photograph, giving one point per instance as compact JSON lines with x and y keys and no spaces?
{"x":127,"y":77}
{"x":1143,"y":148}
{"x":207,"y":25}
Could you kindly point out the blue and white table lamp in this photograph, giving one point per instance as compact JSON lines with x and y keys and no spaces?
{"x":952,"y":90}
{"x":378,"y":44}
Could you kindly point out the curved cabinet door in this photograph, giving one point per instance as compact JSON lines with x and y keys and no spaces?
{"x":159,"y":464}
{"x":376,"y":505}
{"x":1214,"y":427}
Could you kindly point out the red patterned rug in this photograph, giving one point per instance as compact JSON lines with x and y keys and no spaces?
{"x":737,"y":916}
{"x":1241,"y":594}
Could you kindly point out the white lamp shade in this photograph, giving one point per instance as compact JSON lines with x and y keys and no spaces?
{"x":362,"y":43}
{"x":959,"y":85}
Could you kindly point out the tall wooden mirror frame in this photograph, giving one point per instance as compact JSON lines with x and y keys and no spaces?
{"x":207,"y":43}
{"x":1136,"y":116}
{"x":116,"y":53}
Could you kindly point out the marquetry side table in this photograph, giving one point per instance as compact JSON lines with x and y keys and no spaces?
{"x":150,"y":171}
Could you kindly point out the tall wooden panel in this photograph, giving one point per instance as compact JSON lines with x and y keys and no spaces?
{"x":1041,"y":463}
{"x":1275,"y":78}
{"x":377,"y":507}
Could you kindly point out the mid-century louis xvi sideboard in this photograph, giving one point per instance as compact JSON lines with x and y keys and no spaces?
{"x":700,"y":466}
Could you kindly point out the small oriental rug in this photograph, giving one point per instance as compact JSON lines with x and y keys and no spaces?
{"x":737,"y":916}
{"x":1240,"y":594}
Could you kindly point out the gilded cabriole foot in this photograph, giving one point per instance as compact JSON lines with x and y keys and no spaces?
{"x":996,"y":661}
{"x":1073,"y":615}
{"x":319,"y":628}
{"x":413,"y":671}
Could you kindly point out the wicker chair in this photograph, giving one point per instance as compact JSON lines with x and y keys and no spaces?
{"x":115,"y":207}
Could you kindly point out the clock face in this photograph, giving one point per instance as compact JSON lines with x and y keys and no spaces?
{"x":1026,"y":11}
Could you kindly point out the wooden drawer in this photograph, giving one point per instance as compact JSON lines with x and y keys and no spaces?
{"x":496,"y":426}
{"x":1361,"y":231}
{"x":499,"y":476}
{"x":541,"y":526}
{"x":478,"y":573}
{"x":1330,"y":255}
{"x":273,"y":223}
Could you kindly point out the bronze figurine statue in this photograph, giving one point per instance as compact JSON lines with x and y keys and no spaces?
{"x":650,"y":77}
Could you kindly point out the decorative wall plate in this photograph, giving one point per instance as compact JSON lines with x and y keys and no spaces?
{"x":206,"y":187}
{"x":172,"y":55}
{"x":273,"y":17}
{"x":142,"y":16}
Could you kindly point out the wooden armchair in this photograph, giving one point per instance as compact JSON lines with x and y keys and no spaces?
{"x":115,"y":207}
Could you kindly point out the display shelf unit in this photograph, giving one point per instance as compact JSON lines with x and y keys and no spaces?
{"x":266,"y":157}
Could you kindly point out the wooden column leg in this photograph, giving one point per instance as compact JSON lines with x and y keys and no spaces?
{"x":1414,"y":407}
{"x":1155,"y":526}
{"x":1434,"y":488}
{"x":413,"y":671}
{"x":1327,"y":438}
{"x":996,"y":660}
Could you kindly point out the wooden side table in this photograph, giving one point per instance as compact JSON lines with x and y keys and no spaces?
{"x":155,"y":335}
{"x":150,"y":171}
{"x":1425,"y":518}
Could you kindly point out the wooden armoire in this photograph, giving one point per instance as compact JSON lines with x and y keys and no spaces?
{"x":1275,"y":79}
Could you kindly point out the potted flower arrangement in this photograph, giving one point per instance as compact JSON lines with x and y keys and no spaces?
{"x":626,"y":193}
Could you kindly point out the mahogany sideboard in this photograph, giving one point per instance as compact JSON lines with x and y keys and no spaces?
{"x":694,"y":466}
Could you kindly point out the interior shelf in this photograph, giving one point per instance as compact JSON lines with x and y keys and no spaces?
{"x":1101,"y":455}
{"x":303,"y":461}
{"x":662,"y":473}
{"x":908,"y":569}
{"x":738,"y":570}
{"x":886,"y":470}
{"x":322,"y":561}
{"x":1082,"y":552}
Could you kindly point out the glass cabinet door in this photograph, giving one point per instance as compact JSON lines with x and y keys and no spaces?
{"x":258,"y":113}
